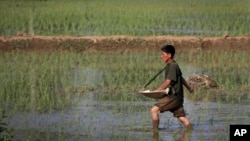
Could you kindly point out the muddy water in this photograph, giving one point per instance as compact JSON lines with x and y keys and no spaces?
{"x":94,"y":117}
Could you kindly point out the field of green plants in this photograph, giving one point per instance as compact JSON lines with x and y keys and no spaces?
{"x":125,"y":17}
{"x":40,"y":87}
{"x":47,"y":81}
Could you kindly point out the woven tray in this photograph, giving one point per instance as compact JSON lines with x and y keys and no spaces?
{"x":153,"y":94}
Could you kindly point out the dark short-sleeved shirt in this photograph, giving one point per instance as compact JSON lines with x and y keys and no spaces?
{"x":173,"y":72}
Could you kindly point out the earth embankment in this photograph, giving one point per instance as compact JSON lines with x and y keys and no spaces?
{"x":119,"y":43}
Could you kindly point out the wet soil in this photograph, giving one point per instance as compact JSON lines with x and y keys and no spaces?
{"x":120,"y":43}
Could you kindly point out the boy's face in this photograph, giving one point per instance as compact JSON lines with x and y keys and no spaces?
{"x":165,"y":56}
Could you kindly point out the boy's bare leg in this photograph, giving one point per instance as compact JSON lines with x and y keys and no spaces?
{"x":155,"y":118}
{"x":186,"y":122}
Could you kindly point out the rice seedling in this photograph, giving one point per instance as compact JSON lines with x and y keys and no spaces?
{"x":6,"y":134}
{"x":127,"y":17}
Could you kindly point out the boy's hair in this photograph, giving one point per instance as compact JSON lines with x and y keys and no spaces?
{"x":169,"y":49}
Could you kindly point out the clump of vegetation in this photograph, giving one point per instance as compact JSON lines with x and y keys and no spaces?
{"x":6,"y":134}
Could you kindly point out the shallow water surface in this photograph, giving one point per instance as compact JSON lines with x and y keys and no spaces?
{"x":95,"y":118}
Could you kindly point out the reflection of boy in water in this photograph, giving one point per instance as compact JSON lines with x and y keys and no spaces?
{"x":174,"y":101}
{"x":185,"y":136}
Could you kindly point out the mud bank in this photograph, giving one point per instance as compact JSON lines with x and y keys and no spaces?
{"x":119,"y":43}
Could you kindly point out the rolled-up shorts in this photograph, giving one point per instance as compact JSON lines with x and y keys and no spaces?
{"x":173,"y":105}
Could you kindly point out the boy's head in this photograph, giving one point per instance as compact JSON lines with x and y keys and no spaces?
{"x":169,"y":49}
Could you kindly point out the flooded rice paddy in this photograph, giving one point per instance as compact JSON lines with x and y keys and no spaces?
{"x":106,"y":112}
{"x":107,"y":116}
{"x":96,"y":119}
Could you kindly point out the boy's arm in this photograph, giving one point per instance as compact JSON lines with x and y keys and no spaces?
{"x":164,"y":85}
{"x":184,"y":82}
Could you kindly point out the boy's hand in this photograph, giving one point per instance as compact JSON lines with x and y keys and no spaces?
{"x":191,"y":90}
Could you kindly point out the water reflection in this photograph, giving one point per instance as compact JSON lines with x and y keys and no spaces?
{"x":155,"y":136}
{"x":95,"y":119}
{"x":185,"y":136}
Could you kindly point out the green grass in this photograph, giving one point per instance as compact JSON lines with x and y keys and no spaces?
{"x":125,"y":17}
{"x":47,"y":81}
{"x":6,"y":134}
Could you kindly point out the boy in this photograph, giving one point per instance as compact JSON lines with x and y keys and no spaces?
{"x":172,"y":102}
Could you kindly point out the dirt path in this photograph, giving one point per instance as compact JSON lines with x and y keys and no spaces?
{"x":114,"y":43}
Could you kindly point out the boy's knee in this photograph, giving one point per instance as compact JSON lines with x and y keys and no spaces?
{"x":185,"y":121}
{"x":154,"y":110}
